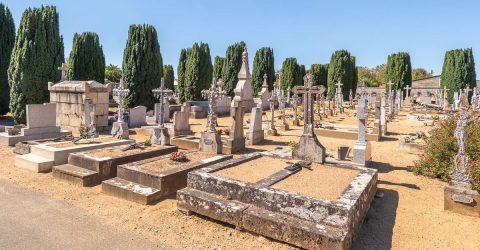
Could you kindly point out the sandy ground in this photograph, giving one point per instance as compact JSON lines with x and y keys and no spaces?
{"x":410,"y":215}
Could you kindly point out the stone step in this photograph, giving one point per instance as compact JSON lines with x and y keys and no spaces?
{"x":77,"y":175}
{"x":34,"y":163}
{"x":131,"y":191}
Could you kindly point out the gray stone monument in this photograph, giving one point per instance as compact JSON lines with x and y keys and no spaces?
{"x":210,"y":140}
{"x":160,"y":133}
{"x":273,"y":98}
{"x":255,"y":132}
{"x":236,"y":141}
{"x":282,"y":104}
{"x":309,"y":148}
{"x":120,"y":127}
{"x":181,"y":121}
{"x":383,"y":115}
{"x":265,"y":93}
{"x":296,"y":121}
{"x":338,"y":98}
{"x":362,"y":148}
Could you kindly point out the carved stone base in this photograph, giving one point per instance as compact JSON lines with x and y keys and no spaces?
{"x":362,"y":153}
{"x":120,"y":130}
{"x":255,"y":137}
{"x":160,"y":136}
{"x":309,"y":149}
{"x":210,"y":141}
{"x":461,"y":200}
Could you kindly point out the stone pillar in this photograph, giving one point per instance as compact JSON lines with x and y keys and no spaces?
{"x":383,"y":115}
{"x":255,"y":132}
{"x":362,"y":148}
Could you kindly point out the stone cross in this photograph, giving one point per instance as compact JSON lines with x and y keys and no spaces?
{"x":121,"y":93}
{"x":308,"y":90}
{"x":407,"y":89}
{"x":214,"y":93}
{"x":282,"y":102}
{"x":265,"y":83}
{"x":64,"y":70}
{"x":271,"y":100}
{"x":339,"y":96}
{"x":159,"y":93}
{"x":295,"y":108}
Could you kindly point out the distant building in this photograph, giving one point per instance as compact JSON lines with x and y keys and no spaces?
{"x":425,"y":86}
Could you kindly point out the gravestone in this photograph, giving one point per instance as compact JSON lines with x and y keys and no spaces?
{"x":273,"y":98}
{"x":181,"y":121}
{"x":377,"y":129}
{"x":282,"y":104}
{"x":70,"y":98}
{"x":244,"y":84}
{"x":166,"y":111}
{"x":383,"y":115}
{"x":296,"y":121}
{"x":362,"y":148}
{"x":255,"y":133}
{"x":407,"y":100}
{"x":339,"y":98}
{"x":265,"y":93}
{"x":309,"y":148}
{"x":160,"y":134}
{"x":210,"y":140}
{"x":236,"y":141}
{"x":138,"y":116}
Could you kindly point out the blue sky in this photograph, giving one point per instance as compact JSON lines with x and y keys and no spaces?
{"x":307,"y":30}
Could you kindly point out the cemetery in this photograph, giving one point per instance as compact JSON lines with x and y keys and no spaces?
{"x":241,"y":150}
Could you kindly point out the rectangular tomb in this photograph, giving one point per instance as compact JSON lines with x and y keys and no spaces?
{"x":147,"y":180}
{"x":91,"y":167}
{"x":318,"y":208}
{"x":44,"y":156}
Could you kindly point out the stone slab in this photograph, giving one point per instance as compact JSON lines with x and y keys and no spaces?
{"x":461,"y":201}
{"x":77,"y":175}
{"x":34,"y":163}
{"x":341,"y":134}
{"x":131,"y":191}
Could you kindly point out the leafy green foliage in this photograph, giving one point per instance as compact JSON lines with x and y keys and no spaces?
{"x":36,"y":56}
{"x":371,"y":77}
{"x":218,"y":66}
{"x":86,"y":60}
{"x":198,"y":72}
{"x":181,"y":69}
{"x":231,"y":67}
{"x":441,"y":147}
{"x":113,"y":73}
{"x":399,"y":71}
{"x":342,"y":68}
{"x":290,"y":74}
{"x":458,"y":71}
{"x":168,"y":76}
{"x":420,"y":73}
{"x":301,"y":72}
{"x":263,"y":63}
{"x":142,"y":65}
{"x":320,"y":73}
{"x":7,"y":39}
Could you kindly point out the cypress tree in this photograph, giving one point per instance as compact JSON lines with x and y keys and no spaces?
{"x":233,"y":63}
{"x":7,"y":39}
{"x":198,"y":71}
{"x":142,"y":65}
{"x":458,"y":71}
{"x":341,"y":68}
{"x":36,"y":56}
{"x":301,"y":72}
{"x":86,"y":60}
{"x":206,"y":70}
{"x":182,"y":65}
{"x":168,"y":76}
{"x":319,"y":72}
{"x":218,"y":66}
{"x":263,"y":63}
{"x":289,"y":76}
{"x":399,"y":70}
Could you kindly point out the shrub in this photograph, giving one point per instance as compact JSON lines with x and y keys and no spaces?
{"x":441,"y":147}
{"x":147,"y":143}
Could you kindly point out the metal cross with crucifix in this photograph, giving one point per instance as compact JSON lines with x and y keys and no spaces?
{"x":212,"y":94}
{"x":159,"y":94}
{"x":64,"y":70}
{"x":121,"y":93}
{"x":308,"y":90}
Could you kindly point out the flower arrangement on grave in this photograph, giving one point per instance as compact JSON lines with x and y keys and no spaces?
{"x":437,"y":160}
{"x":178,"y":156}
{"x":147,"y":143}
{"x":83,"y":130}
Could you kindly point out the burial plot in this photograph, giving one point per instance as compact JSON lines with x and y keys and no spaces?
{"x":147,"y":180}
{"x":44,"y":156}
{"x":317,"y":208}
{"x":91,"y":167}
{"x":41,"y":124}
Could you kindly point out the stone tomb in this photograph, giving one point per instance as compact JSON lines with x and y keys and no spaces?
{"x":92,"y":167}
{"x":41,"y":124}
{"x":137,"y":116}
{"x":321,"y":208}
{"x":147,"y":180}
{"x":70,"y":98}
{"x":44,"y":156}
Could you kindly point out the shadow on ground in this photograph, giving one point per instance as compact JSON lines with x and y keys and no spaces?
{"x":383,"y":167}
{"x":377,"y":229}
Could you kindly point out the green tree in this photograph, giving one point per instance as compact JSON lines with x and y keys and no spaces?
{"x":113,"y":73}
{"x":142,"y":65}
{"x":320,"y":73}
{"x":168,"y":76}
{"x":341,"y":68}
{"x":86,"y":60}
{"x":182,"y":65}
{"x":263,"y":63}
{"x":301,"y":72}
{"x":231,"y":67}
{"x":458,"y":71}
{"x":398,"y":71}
{"x":198,"y":72}
{"x":420,"y":73}
{"x":7,"y":39}
{"x":289,"y":76}
{"x":36,"y":56}
{"x":218,"y":66}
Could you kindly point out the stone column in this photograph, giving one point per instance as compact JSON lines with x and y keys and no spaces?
{"x":362,"y":148}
